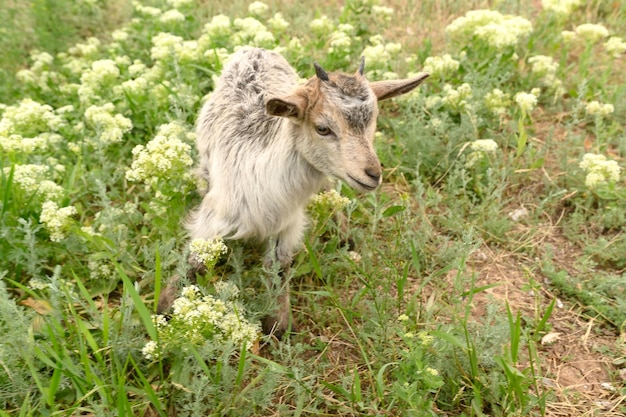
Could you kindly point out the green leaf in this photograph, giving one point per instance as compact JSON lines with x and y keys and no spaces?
{"x":390,"y":211}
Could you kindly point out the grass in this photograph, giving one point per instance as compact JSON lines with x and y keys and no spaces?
{"x":486,"y":275}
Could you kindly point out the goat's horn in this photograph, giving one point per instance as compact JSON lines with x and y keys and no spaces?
{"x":321,"y":74}
{"x":362,"y":66}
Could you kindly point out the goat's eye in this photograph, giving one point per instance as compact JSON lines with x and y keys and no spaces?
{"x":323,"y":130}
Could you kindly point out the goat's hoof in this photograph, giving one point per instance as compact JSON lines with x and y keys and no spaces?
{"x":348,"y":243}
{"x":194,"y":271}
{"x":272,"y":327}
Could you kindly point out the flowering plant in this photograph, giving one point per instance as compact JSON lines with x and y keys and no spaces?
{"x":197,"y":320}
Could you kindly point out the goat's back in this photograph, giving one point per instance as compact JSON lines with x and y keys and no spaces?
{"x":236,"y":108}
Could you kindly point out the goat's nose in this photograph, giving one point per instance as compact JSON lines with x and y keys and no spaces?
{"x":374,"y":173}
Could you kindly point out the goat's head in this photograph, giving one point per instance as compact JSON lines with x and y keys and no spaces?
{"x":336,"y":115}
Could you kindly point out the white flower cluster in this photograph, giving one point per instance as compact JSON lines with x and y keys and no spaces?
{"x":497,"y":30}
{"x":102,"y":74}
{"x":258,"y":8}
{"x":440,"y":66}
{"x":480,"y":148}
{"x":615,"y":46}
{"x":39,"y":74}
{"x":378,"y":55}
{"x":148,"y":11}
{"x":330,"y":200}
{"x":497,"y":101}
{"x":179,"y":4}
{"x":278,"y":23}
{"x":207,"y":252}
{"x":21,"y":145}
{"x":484,"y":145}
{"x":595,"y":108}
{"x":165,"y":157}
{"x":34,"y":180}
{"x":219,"y":26}
{"x":341,"y":39}
{"x":545,"y":68}
{"x":600,"y":171}
{"x":591,"y":32}
{"x":197,"y":320}
{"x":384,"y":12}
{"x":527,"y":101}
{"x":29,"y":118}
{"x":56,"y":220}
{"x":321,"y":26}
{"x":86,"y":50}
{"x":172,"y":16}
{"x":457,"y":98}
{"x":109,"y":126}
{"x":252,"y":32}
{"x":561,"y":7}
{"x":167,"y":47}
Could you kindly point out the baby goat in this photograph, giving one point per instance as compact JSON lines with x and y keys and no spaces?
{"x":267,"y":144}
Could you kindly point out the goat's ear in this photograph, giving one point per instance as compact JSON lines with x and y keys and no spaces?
{"x":290,"y":106}
{"x":392,"y":88}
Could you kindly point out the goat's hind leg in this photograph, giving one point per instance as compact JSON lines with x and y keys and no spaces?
{"x":282,"y":252}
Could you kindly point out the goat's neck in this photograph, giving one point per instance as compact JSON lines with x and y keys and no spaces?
{"x":302,"y":177}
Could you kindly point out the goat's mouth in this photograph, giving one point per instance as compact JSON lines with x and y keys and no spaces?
{"x":359,"y":185}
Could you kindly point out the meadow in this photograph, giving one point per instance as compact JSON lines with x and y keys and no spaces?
{"x":486,"y":277}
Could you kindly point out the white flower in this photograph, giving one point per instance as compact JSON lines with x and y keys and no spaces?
{"x":495,"y":29}
{"x":165,"y":45}
{"x":545,"y":68}
{"x":150,"y":350}
{"x":321,"y":26}
{"x":330,"y":200}
{"x":191,"y":292}
{"x":147,"y":10}
{"x":497,"y":101}
{"x":484,"y":145}
{"x":89,"y":49}
{"x":177,"y":4}
{"x":615,"y":46}
{"x":56,"y":220}
{"x":226,"y":290}
{"x":218,"y":26}
{"x":109,"y":127}
{"x":29,"y":118}
{"x":568,"y":35}
{"x":526,"y":101}
{"x":480,"y":148}
{"x":432,"y":371}
{"x":251,"y":31}
{"x":207,"y":252}
{"x":278,"y":23}
{"x":599,"y":170}
{"x":258,"y":8}
{"x":385,"y":12}
{"x":592,"y":32}
{"x":561,"y":7}
{"x":119,"y":35}
{"x":162,"y":158}
{"x":35,"y":180}
{"x":340,"y":42}
{"x":440,"y":65}
{"x":198,"y":319}
{"x":595,"y":108}
{"x":94,"y":80}
{"x":457,"y":98}
{"x":172,"y":16}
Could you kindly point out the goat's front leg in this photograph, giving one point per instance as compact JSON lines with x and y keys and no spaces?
{"x":282,"y":251}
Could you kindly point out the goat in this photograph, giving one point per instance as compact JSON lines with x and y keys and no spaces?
{"x":267,"y":144}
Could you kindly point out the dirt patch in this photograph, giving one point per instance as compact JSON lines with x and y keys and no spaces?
{"x":574,"y":365}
